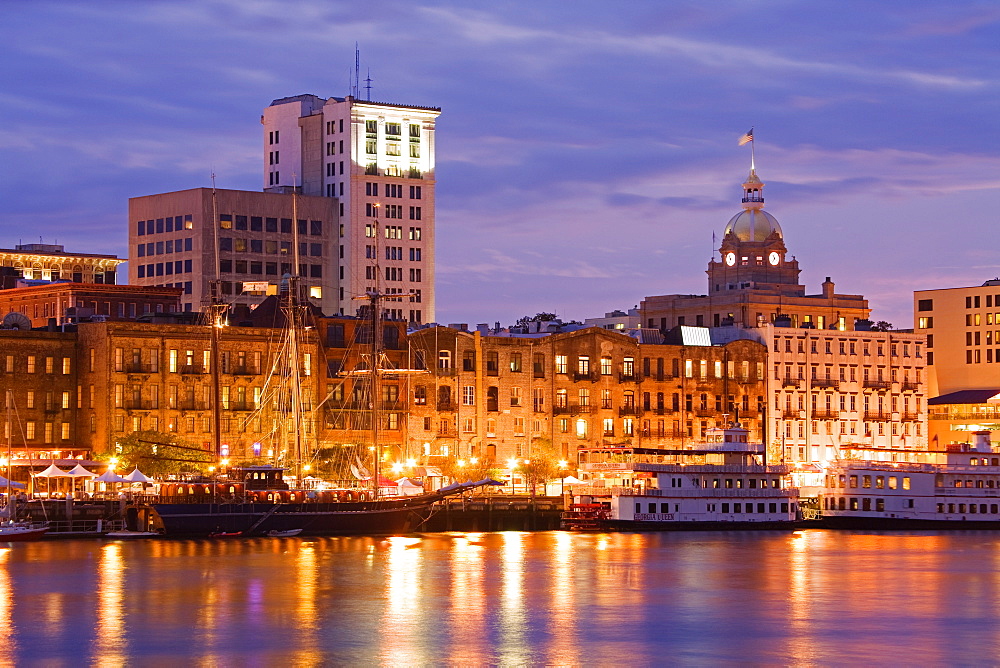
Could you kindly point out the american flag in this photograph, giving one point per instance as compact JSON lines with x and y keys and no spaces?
{"x":747,"y":138}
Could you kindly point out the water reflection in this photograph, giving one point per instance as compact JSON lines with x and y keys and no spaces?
{"x":506,"y":598}
{"x":8,"y":639}
{"x":109,"y":633}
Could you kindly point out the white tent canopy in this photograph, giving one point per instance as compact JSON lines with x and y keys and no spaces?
{"x":137,"y":476}
{"x":53,"y":471}
{"x":110,"y":476}
{"x":570,"y":480}
{"x":79,"y":472}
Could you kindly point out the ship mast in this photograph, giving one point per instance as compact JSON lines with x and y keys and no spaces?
{"x":216,"y":314}
{"x":293,"y":322}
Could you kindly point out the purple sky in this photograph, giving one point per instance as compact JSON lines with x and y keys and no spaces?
{"x":586,"y":150}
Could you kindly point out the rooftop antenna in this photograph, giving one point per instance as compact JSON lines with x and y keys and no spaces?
{"x":357,"y":72}
{"x":368,"y":86}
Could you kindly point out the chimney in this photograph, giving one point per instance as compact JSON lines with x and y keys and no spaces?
{"x":827,"y":288}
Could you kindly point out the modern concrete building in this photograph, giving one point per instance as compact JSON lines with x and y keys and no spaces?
{"x":962,"y":326}
{"x":963,"y":336}
{"x":173,"y":238}
{"x":377,"y":159}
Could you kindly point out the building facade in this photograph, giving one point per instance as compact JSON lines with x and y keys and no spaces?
{"x":500,"y":396}
{"x":962,"y":326}
{"x":173,"y":239}
{"x":755,"y":282}
{"x":65,"y":302}
{"x":378,"y":161}
{"x":832,"y":381}
{"x":51,"y":262}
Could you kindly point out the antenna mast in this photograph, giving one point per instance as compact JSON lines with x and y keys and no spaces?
{"x":368,"y":86}
{"x":356,"y":89}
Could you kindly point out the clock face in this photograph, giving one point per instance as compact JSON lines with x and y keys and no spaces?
{"x":730,"y":259}
{"x":774,"y":258}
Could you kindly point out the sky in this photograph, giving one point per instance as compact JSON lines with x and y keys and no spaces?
{"x":586,"y":151}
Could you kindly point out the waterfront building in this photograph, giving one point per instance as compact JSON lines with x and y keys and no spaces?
{"x":501,"y":396}
{"x":40,"y":390}
{"x":65,"y":302}
{"x":378,"y":161}
{"x":173,"y":238}
{"x":962,"y":326}
{"x":832,"y":381}
{"x":51,"y":262}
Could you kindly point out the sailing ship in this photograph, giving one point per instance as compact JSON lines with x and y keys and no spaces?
{"x":257,"y":500}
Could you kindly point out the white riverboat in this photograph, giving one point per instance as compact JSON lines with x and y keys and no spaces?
{"x":957,"y":488}
{"x":724,"y":482}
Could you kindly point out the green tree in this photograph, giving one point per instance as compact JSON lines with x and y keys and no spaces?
{"x":157,"y":454}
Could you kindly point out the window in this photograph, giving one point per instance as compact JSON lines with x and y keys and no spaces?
{"x":605,"y":366}
{"x":469,"y":395}
{"x":561,"y":363}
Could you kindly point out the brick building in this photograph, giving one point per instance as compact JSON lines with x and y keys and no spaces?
{"x":72,"y":302}
{"x":504,"y":396}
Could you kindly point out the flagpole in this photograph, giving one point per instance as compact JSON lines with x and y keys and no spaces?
{"x":753,"y":165}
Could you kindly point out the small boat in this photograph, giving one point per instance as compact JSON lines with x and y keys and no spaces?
{"x":287,"y":533}
{"x":126,"y":534}
{"x":584,"y":517}
{"x":226,"y":534}
{"x":21,"y":531}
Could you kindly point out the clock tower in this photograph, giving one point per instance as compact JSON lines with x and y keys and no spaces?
{"x":753,"y":253}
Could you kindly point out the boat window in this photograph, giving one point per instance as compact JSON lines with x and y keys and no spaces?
{"x":879,"y":482}
{"x":892,"y":482}
{"x":866,"y":481}
{"x":854,"y":483}
{"x":906,"y":482}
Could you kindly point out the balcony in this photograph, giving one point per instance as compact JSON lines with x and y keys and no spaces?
{"x":881,"y":385}
{"x":629,"y":377}
{"x":192,"y":406}
{"x":825,"y":382}
{"x":135,"y":405}
{"x":241,"y":406}
{"x":243,"y":371}
{"x":137,"y":367}
{"x":909,"y":417}
{"x":909,"y":386}
{"x":877,"y":415}
{"x":789,"y":414}
{"x":192,"y":369}
{"x":628,"y":410}
{"x":583,"y":375}
{"x":824,"y":414}
{"x":789,"y":381}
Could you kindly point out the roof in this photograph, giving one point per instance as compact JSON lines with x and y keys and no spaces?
{"x":753,"y":225}
{"x":964,"y":397}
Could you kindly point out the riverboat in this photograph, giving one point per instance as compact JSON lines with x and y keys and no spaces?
{"x":958,"y":488}
{"x":724,"y":482}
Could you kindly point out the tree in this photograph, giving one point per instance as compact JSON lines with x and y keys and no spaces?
{"x":157,"y":454}
{"x":882,"y":326}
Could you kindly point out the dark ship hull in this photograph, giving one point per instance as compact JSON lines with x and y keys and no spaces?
{"x":381,"y":517}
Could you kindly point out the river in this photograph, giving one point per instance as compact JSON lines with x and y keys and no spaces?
{"x":551,"y":598}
